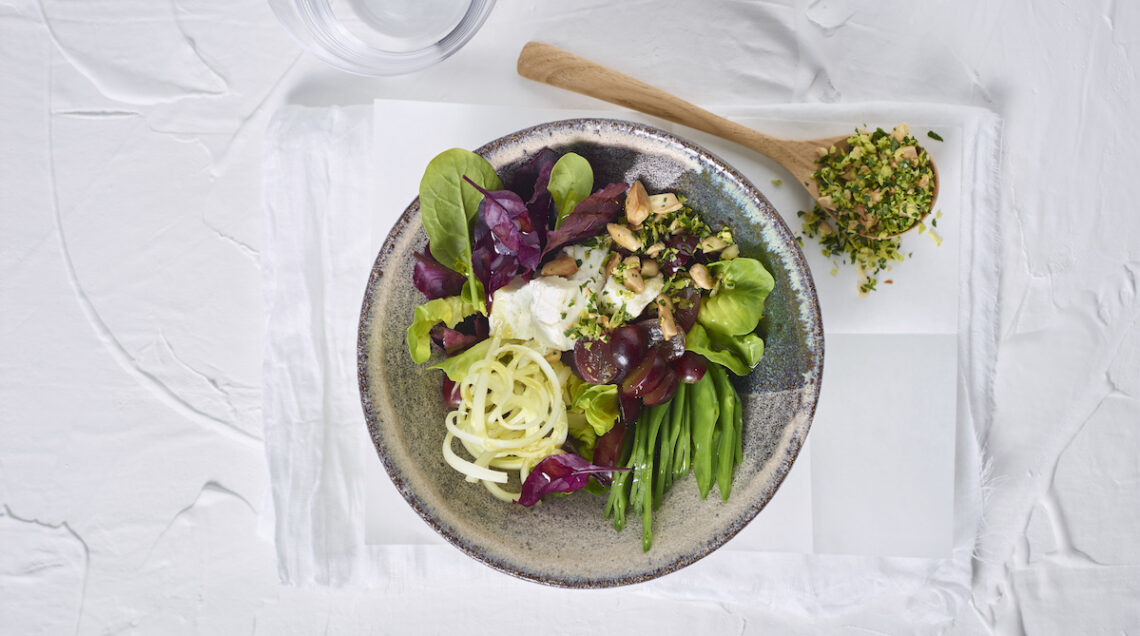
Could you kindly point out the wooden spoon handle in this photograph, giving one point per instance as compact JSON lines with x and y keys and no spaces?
{"x":551,"y":65}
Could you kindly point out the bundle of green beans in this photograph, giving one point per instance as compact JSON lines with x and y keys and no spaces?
{"x":699,"y":429}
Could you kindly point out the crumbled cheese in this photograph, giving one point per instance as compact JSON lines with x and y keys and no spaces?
{"x":545,"y":308}
{"x":615,"y":295}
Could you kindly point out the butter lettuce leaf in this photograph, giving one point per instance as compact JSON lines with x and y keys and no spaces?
{"x":736,"y":303}
{"x":739,"y":354}
{"x":456,"y":367}
{"x":448,"y":310}
{"x":599,"y":403}
{"x":583,"y":431}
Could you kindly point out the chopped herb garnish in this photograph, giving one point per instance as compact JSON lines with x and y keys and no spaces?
{"x":881,"y":184}
{"x":933,"y":135}
{"x":869,"y":256}
{"x":777,"y":182}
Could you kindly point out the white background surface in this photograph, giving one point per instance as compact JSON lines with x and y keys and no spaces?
{"x":131,"y":468}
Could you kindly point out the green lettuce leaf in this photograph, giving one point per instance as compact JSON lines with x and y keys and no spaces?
{"x":456,"y":367}
{"x":571,"y":181}
{"x":599,"y":402}
{"x":448,"y":310}
{"x":739,"y":354}
{"x":580,"y":429}
{"x":736,"y":304}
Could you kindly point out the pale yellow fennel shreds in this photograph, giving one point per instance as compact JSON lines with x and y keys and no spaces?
{"x":512,"y":415}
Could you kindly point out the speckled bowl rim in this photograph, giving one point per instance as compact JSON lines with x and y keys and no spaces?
{"x":795,"y":443}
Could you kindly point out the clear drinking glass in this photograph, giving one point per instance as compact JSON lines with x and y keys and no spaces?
{"x":382,"y":37}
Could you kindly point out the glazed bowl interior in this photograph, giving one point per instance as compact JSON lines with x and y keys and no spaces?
{"x":565,"y":541}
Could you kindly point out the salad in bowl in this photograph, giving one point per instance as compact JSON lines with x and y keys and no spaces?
{"x":587,"y":333}
{"x":584,"y":325}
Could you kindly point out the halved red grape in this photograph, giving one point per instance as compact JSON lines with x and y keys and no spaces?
{"x":451,"y":395}
{"x":594,"y":361}
{"x":672,"y":348}
{"x":686,"y":307}
{"x":628,"y":346}
{"x":646,"y":376}
{"x":607,"y":451}
{"x":669,"y":349}
{"x":630,"y":407}
{"x":664,"y":391}
{"x":690,"y":367}
{"x":685,"y":245}
{"x":651,"y":330}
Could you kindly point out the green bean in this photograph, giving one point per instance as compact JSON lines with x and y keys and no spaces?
{"x":619,"y":490}
{"x":619,"y":499}
{"x":669,"y":435}
{"x":657,"y":415}
{"x":660,"y":463}
{"x":636,"y":460}
{"x":681,"y":454}
{"x":726,"y":426}
{"x":703,"y":412}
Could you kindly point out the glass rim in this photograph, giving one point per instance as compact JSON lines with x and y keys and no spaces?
{"x":313,"y":24}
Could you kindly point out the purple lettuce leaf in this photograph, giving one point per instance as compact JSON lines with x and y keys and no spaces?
{"x":508,"y":218}
{"x":492,"y":268}
{"x":565,"y":472}
{"x":433,"y":279}
{"x":589,"y":218}
{"x":469,"y":331}
{"x":529,"y":174}
{"x":540,"y":204}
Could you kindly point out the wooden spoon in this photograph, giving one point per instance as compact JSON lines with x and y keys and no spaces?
{"x":551,"y":65}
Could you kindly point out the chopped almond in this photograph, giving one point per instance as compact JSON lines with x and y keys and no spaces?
{"x":636,"y":204}
{"x":664,"y":203}
{"x":701,"y":276}
{"x":665,"y":317}
{"x":623,"y":236}
{"x":561,"y":266}
{"x":712,"y":243}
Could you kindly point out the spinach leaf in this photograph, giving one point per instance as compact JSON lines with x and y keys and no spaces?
{"x":448,"y":206}
{"x":472,"y":292}
{"x":736,"y":304}
{"x":571,"y":181}
{"x":448,"y":310}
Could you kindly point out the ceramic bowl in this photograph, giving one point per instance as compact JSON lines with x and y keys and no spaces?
{"x":565,"y":541}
